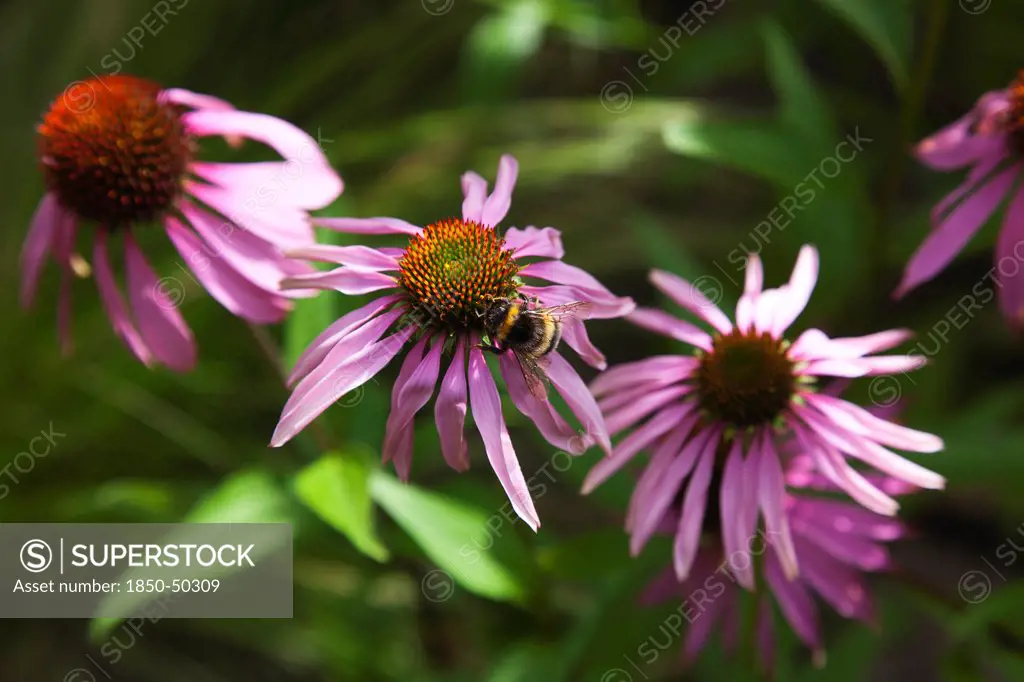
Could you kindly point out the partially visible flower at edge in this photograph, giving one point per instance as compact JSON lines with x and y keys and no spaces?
{"x":437,"y":291}
{"x":726,"y":413}
{"x":119,"y":152}
{"x":990,"y":140}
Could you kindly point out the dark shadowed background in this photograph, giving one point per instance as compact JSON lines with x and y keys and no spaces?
{"x":668,"y":134}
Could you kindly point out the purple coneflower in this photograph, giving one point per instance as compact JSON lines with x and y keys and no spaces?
{"x":836,"y":543}
{"x":724,"y":411}
{"x":990,"y":140}
{"x":118,"y":152}
{"x":437,"y":291}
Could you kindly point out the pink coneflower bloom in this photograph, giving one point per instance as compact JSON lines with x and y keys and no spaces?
{"x":438,"y":290}
{"x":990,"y":140}
{"x":725,"y":410}
{"x":118,"y":153}
{"x":836,"y":543}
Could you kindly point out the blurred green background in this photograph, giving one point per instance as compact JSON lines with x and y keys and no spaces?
{"x":652,"y":133}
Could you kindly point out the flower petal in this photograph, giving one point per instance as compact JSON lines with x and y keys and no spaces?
{"x":194,"y":100}
{"x":579,"y":399}
{"x":863,"y":367}
{"x":770,"y":493}
{"x":161,"y":325}
{"x":957,"y":144}
{"x":339,"y":373}
{"x":814,"y":344}
{"x":732,"y":508}
{"x":662,"y":323}
{"x":1010,"y":241}
{"x":240,"y":296}
{"x":338,"y":331}
{"x":798,"y":293}
{"x":474,"y":192}
{"x":411,"y":392}
{"x":659,"y":370}
{"x":351,"y":281}
{"x":530,"y":241}
{"x":691,"y":298}
{"x":486,"y":406}
{"x":635,"y":410}
{"x":450,"y":410}
{"x":265,"y":183}
{"x":795,"y":602}
{"x":113,"y":302}
{"x":574,"y":335}
{"x":280,"y":224}
{"x":862,"y":422}
{"x":542,"y":413}
{"x":496,"y":206}
{"x":368,"y":225}
{"x":38,"y":244}
{"x":687,"y":539}
{"x":362,"y":257}
{"x":950,"y":237}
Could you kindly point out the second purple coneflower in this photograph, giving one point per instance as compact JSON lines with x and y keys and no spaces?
{"x":437,"y":291}
{"x":724,"y":412}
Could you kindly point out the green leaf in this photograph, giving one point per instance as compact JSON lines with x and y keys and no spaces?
{"x":246,"y":497}
{"x":499,"y":46}
{"x":887,"y":25}
{"x":753,"y":146}
{"x":336,"y":488}
{"x":802,"y":109}
{"x":456,"y":537}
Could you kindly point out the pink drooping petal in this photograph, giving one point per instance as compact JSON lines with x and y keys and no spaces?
{"x":661,"y":482}
{"x":733,"y":500}
{"x":1010,"y":262}
{"x":865,"y":367}
{"x":349,"y":342}
{"x":496,"y":206}
{"x":704,"y":624}
{"x":351,"y":281}
{"x":113,"y":302}
{"x":841,"y":585}
{"x":394,"y":428}
{"x":684,"y":549}
{"x":798,"y":293}
{"x":474,"y":192}
{"x":542,"y":413}
{"x":849,"y":549}
{"x":337,"y":332}
{"x":38,"y":244}
{"x":240,"y":296}
{"x":770,"y":494}
{"x":660,"y":370}
{"x":845,"y":519}
{"x":957,"y":144}
{"x":600,"y":305}
{"x":545,"y":242}
{"x":486,"y":406}
{"x":368,"y":225}
{"x":832,"y":464}
{"x":795,"y":602}
{"x":162,"y":327}
{"x":634,"y":411}
{"x":251,"y":257}
{"x":691,"y":298}
{"x":281,"y":224}
{"x":290,"y":142}
{"x":671,"y":326}
{"x":636,"y":441}
{"x":950,"y":237}
{"x":574,"y":335}
{"x":63,"y":244}
{"x":338,"y":374}
{"x":864,"y":423}
{"x":450,"y":410}
{"x":814,"y":344}
{"x":753,"y":276}
{"x":647,"y":508}
{"x":266,"y":183}
{"x":408,"y":399}
{"x":978,"y":176}
{"x":560,"y":272}
{"x":362,"y":257}
{"x":579,"y":399}
{"x":194,"y":100}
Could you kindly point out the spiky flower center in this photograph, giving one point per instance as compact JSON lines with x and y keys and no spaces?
{"x":745,"y":379}
{"x":112,"y":151}
{"x":1014,"y":116}
{"x":455,"y":269}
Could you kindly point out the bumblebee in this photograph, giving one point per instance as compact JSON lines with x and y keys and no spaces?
{"x":530,"y":333}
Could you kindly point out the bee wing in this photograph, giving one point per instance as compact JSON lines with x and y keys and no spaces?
{"x":577,"y":309}
{"x":533,"y":375}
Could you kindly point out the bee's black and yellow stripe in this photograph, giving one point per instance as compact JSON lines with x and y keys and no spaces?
{"x":526,"y":331}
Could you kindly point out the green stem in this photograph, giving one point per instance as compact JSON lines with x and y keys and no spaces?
{"x":912,"y":104}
